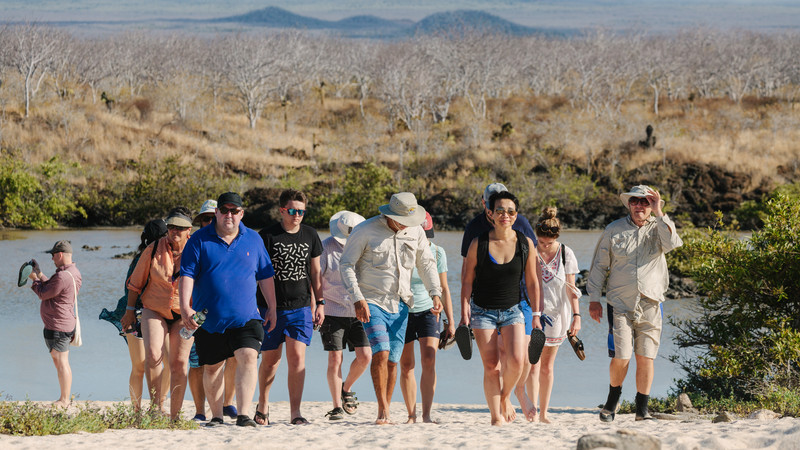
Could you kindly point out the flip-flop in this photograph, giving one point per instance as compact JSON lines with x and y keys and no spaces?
{"x":536,"y":345}
{"x":577,"y":345}
{"x":464,"y":340}
{"x":24,"y":272}
{"x":445,"y":343}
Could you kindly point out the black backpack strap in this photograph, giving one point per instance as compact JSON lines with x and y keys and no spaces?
{"x":522,"y":244}
{"x":563,"y":258}
{"x":483,"y":251}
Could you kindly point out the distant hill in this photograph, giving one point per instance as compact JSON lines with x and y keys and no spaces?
{"x":365,"y":25}
{"x":469,"y":20}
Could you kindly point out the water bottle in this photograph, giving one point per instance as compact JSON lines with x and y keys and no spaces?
{"x":198,"y":317}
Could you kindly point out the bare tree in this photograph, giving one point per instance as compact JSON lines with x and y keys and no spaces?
{"x":31,"y":49}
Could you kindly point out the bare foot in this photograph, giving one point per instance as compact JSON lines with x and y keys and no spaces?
{"x":543,"y":418}
{"x":412,"y":419}
{"x":383,"y":421}
{"x":61,"y":404}
{"x":429,"y":420}
{"x":499,"y":422}
{"x":528,"y":408}
{"x":508,"y":411}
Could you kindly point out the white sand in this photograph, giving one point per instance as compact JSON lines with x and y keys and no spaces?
{"x":461,"y":426}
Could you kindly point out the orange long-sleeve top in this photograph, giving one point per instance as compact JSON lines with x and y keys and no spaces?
{"x":161,"y":292}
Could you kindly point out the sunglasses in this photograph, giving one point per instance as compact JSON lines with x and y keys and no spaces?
{"x":294,"y":212}
{"x":224,"y":211}
{"x":206,"y":219}
{"x":509,"y":212}
{"x":175,"y":227}
{"x":638,"y":201}
{"x":548,"y":229}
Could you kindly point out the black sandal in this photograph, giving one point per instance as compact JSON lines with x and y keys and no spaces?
{"x":349,"y":402}
{"x":299,"y":421}
{"x":463,"y":338}
{"x":536,"y":345}
{"x":261,"y":418}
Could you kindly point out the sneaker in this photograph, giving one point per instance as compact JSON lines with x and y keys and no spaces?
{"x":216,"y":421}
{"x":199,"y":418}
{"x":335,"y":414}
{"x":230,"y":411}
{"x":244,"y":421}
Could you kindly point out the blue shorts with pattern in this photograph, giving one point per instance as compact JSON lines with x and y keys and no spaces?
{"x":387,"y":331}
{"x":194,"y":360}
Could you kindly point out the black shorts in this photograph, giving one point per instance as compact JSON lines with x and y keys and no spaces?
{"x":58,"y":340}
{"x":336,"y":331}
{"x":213,"y":348}
{"x":422,"y":324}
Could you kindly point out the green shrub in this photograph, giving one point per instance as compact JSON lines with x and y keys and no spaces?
{"x":361,"y":190}
{"x":744,"y":344}
{"x":34,"y":197}
{"x":34,"y":419}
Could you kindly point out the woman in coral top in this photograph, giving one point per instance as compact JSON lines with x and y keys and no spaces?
{"x":155,"y":279}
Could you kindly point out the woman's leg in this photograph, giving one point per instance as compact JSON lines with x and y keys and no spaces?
{"x":514,"y":346}
{"x":524,"y":398}
{"x":136,"y":352}
{"x":486,"y":340}
{"x":178,"y":364}
{"x":154,"y":331}
{"x":427,"y":381}
{"x":165,"y":371}
{"x":547,"y":363}
{"x":408,"y":384}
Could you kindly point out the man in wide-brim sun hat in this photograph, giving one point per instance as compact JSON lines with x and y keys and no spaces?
{"x":630,"y":255}
{"x":376,"y":267}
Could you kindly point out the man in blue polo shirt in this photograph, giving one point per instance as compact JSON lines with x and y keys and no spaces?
{"x":477,"y":226}
{"x":221,"y":268}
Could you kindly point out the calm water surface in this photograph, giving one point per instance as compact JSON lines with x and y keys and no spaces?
{"x":101,"y":366}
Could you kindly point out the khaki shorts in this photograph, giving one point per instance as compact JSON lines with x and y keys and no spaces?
{"x":639,"y":330}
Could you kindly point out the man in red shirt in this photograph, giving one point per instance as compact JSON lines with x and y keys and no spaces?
{"x":59,"y":295}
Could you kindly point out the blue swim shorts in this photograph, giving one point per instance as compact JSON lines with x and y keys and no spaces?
{"x":528,"y":313}
{"x":294,"y":323}
{"x":386,"y":331}
{"x":490,"y":319}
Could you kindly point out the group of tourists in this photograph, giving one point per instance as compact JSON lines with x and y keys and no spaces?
{"x":200,"y":309}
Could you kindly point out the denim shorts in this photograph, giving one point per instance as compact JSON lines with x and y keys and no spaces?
{"x":387,"y":331}
{"x":294,"y":323}
{"x":490,"y":319}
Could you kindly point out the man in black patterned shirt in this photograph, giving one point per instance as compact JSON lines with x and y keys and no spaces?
{"x":295,"y":251}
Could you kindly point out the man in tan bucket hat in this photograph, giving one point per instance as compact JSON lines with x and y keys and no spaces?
{"x":630,"y":256}
{"x":376,"y":266}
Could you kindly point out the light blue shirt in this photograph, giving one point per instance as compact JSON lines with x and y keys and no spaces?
{"x":423,"y":301}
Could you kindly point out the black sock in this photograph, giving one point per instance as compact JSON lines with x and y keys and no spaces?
{"x":613,"y":398}
{"x":641,"y":405}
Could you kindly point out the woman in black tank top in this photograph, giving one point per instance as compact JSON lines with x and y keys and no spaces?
{"x":493,"y":268}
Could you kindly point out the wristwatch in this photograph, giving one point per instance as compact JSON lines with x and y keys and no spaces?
{"x":321,"y":302}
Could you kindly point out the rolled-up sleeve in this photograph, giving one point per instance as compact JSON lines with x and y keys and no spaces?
{"x":601,"y":262}
{"x":141,"y":273}
{"x":667,"y":234}
{"x":353,"y":250}
{"x":426,"y":266}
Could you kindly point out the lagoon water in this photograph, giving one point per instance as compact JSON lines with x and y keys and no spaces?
{"x":101,"y":366}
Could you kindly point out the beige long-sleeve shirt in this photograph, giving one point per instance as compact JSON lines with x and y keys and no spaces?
{"x":376,"y":264}
{"x":631,"y":259}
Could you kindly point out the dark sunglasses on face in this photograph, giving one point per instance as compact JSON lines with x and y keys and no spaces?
{"x":638,"y":201}
{"x":509,"y":212}
{"x":224,"y":211}
{"x":548,"y":229}
{"x":293,"y":212}
{"x":206,"y":219}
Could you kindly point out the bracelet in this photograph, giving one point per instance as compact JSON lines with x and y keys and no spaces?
{"x":130,"y":308}
{"x":537,"y":314}
{"x":576,"y":314}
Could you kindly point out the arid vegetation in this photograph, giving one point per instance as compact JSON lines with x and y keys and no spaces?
{"x":136,"y":122}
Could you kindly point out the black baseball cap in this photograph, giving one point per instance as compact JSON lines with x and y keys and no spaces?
{"x":230,"y":197}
